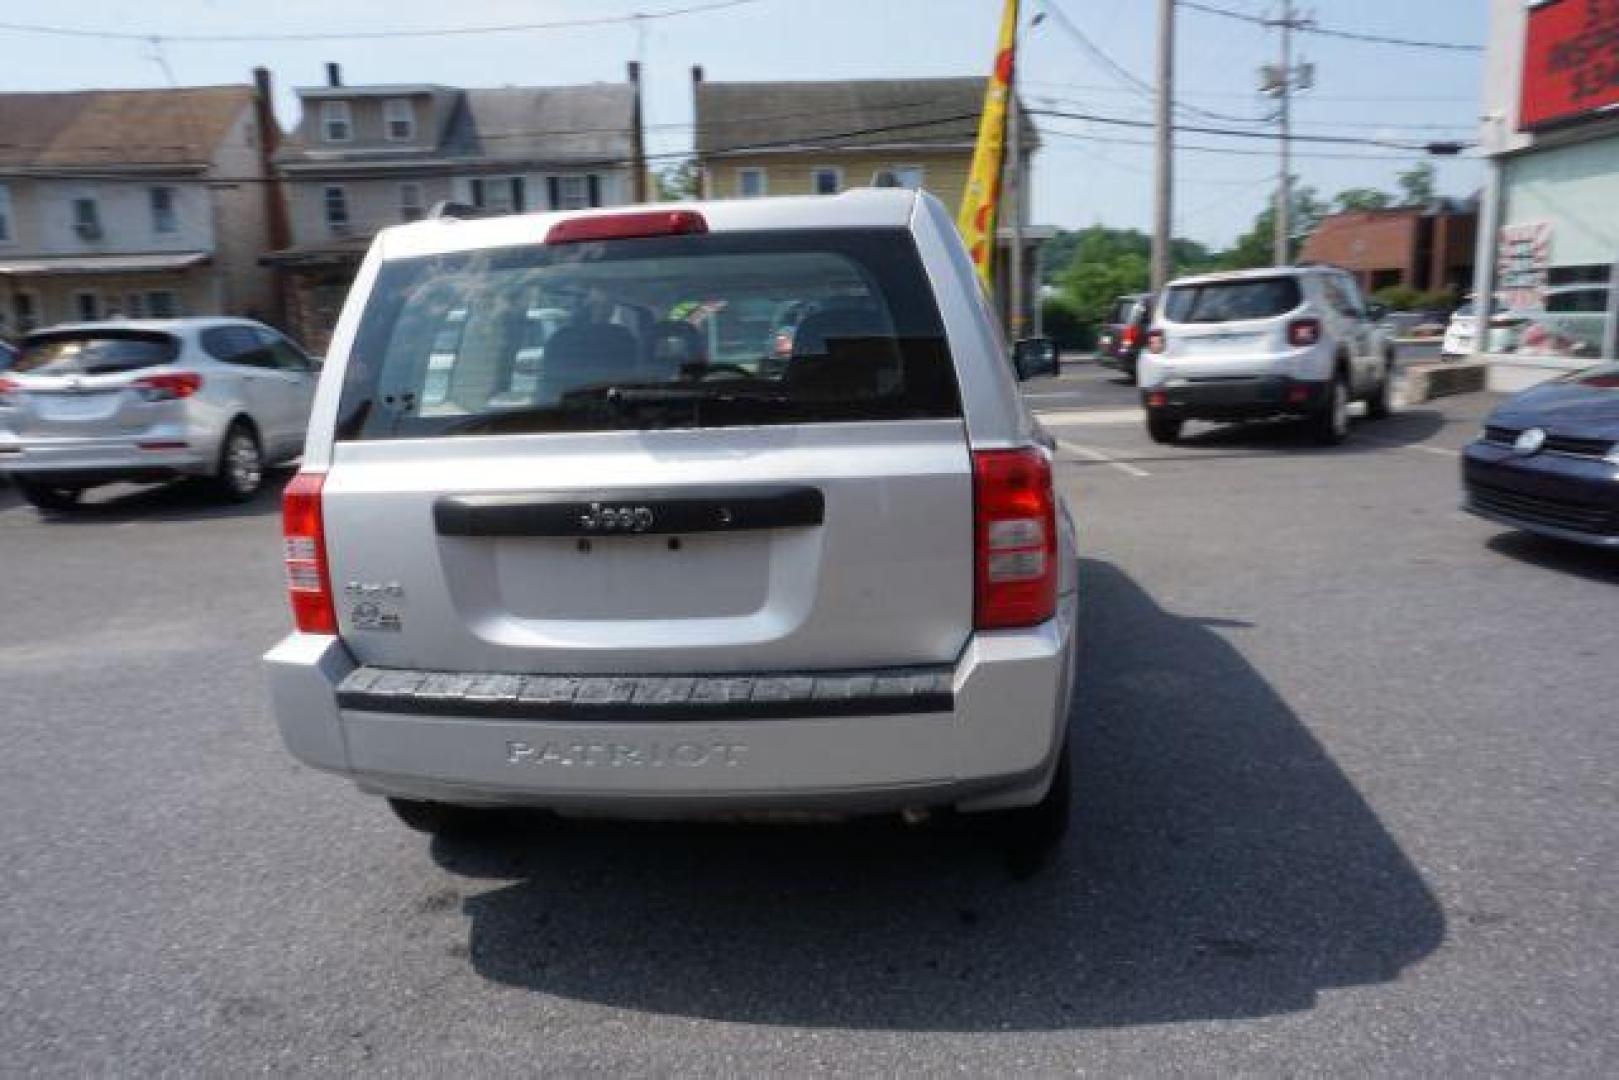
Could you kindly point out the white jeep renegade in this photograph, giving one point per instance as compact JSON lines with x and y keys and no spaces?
{"x":1283,"y":341}
{"x":575,"y":530}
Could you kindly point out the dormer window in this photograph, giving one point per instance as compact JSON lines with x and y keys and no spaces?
{"x":336,"y":125}
{"x":399,"y":119}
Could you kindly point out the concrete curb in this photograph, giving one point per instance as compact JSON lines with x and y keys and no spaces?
{"x":1426,"y":381}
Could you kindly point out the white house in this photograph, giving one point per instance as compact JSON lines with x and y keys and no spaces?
{"x":132,"y":202}
{"x":365,"y":157}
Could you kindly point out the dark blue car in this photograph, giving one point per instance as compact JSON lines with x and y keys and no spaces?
{"x":1548,"y":460}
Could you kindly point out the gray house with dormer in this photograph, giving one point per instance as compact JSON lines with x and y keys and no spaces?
{"x":366,"y":157}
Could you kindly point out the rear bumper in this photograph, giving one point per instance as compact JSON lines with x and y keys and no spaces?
{"x":1569,"y":498}
{"x":83,"y":462}
{"x":984,"y":734}
{"x":1237,"y":398}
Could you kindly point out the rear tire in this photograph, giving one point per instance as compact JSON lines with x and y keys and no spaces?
{"x":241,"y":464}
{"x":1164,"y":429}
{"x":436,"y":818}
{"x":49,"y":496}
{"x":1381,"y":401}
{"x":1330,"y":425}
{"x":1030,"y":837}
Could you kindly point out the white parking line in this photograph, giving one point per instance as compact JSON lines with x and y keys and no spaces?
{"x":1097,"y":455}
{"x":1442,"y":451}
{"x":1090,"y":416}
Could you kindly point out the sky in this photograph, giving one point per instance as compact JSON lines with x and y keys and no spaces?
{"x":1086,"y":172}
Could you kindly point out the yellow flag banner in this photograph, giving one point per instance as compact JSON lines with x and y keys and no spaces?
{"x":980,"y":201}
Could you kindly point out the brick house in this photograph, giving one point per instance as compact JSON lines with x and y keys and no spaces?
{"x":365,"y":157}
{"x":818,"y":138}
{"x":1426,"y":248}
{"x":133,"y":202}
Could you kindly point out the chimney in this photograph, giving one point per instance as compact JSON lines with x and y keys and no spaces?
{"x":334,"y":74}
{"x":697,"y":73}
{"x":637,"y":137}
{"x":277,"y":232}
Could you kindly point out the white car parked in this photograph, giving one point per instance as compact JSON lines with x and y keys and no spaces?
{"x":662,"y":570}
{"x":153,"y":399}
{"x":1282,"y":341}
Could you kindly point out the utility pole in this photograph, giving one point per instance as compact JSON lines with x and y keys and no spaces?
{"x":1163,"y":220}
{"x":1284,"y":182}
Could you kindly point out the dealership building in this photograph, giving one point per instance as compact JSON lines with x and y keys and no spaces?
{"x":1548,"y":235}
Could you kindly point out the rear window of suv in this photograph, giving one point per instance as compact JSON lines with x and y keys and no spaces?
{"x":680,"y":331}
{"x":94,"y":352}
{"x":1232,"y":301}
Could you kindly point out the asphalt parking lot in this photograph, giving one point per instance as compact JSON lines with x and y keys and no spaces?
{"x":1346,"y":804}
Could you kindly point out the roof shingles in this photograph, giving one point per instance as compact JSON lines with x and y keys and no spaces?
{"x":845,"y":114}
{"x":89,"y":128}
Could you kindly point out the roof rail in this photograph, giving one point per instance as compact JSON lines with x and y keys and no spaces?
{"x":454,"y":211}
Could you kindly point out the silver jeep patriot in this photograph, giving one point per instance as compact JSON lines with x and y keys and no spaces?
{"x":719,"y":508}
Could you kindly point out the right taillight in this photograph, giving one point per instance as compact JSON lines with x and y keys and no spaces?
{"x":1129,"y":336}
{"x":168,"y":387}
{"x":1015,"y":538}
{"x":303,"y":541}
{"x":1155,"y":341}
{"x":1302,"y":332}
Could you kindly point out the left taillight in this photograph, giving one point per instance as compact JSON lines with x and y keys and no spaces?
{"x":170,"y":386}
{"x":1015,"y":539}
{"x":303,"y":540}
{"x":8,"y":387}
{"x":1303,"y":332}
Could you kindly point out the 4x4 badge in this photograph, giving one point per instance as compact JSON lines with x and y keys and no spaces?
{"x":617,"y":518}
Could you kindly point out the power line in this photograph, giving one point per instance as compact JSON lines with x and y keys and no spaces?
{"x":1124,"y":75}
{"x":1238,"y":133}
{"x":367,"y":35}
{"x":1458,"y":129}
{"x":1250,"y":95}
{"x":1311,"y":27}
{"x":1229,"y":151}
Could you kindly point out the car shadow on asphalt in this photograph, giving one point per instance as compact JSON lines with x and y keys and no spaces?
{"x":1220,"y":866}
{"x":1562,"y":556}
{"x":1406,"y":428}
{"x":180,"y":500}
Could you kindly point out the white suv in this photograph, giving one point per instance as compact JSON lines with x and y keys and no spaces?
{"x":632,"y":561}
{"x":1284,"y":341}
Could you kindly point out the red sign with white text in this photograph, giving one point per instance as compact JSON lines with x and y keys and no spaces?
{"x":1570,"y":61}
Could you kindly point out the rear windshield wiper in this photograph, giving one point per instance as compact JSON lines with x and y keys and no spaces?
{"x":699,"y":393}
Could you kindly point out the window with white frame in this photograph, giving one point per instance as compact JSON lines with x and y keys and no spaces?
{"x":86,"y":218}
{"x":86,"y":305}
{"x":6,"y":236}
{"x":750,"y":183}
{"x":399,"y":119}
{"x":164,"y":218}
{"x":336,"y":123}
{"x":336,"y":204}
{"x":826,"y":180}
{"x":134,"y":306}
{"x":499,"y":194}
{"x":410,"y":201}
{"x":905,"y":176}
{"x":162,"y":304}
{"x":25,"y":310}
{"x":571,"y":193}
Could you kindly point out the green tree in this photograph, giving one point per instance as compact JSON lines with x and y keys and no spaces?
{"x":677,"y":182}
{"x":1416,"y":184}
{"x":1361,"y":199}
{"x":1397,"y":297}
{"x":1257,"y":246}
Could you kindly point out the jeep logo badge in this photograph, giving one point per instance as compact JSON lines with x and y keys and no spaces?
{"x":601,"y":518}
